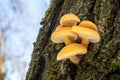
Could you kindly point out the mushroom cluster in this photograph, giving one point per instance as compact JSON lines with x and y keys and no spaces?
{"x":76,"y":37}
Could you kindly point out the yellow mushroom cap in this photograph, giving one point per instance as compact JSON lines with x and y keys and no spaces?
{"x":58,"y":36}
{"x":69,"y":19}
{"x":88,"y":24}
{"x":58,"y":28}
{"x":90,"y":34}
{"x":71,"y":50}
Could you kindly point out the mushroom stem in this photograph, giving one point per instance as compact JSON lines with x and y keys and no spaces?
{"x":79,"y":40}
{"x":67,"y":40}
{"x":85,"y":42}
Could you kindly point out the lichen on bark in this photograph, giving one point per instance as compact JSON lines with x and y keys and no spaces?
{"x":102,"y":61}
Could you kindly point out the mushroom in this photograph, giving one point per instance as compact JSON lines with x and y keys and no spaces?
{"x":87,"y":34}
{"x":59,"y":28}
{"x":64,"y":34}
{"x":88,"y":24}
{"x":69,"y":20}
{"x":70,"y":51}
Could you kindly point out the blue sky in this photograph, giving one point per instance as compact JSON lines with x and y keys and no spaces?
{"x":20,"y":23}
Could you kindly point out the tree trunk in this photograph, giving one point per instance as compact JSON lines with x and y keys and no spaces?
{"x":102,"y":61}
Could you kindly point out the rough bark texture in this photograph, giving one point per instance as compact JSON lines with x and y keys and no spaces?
{"x":102,"y":61}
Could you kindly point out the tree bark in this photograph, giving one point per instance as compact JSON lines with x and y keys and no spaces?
{"x":102,"y":61}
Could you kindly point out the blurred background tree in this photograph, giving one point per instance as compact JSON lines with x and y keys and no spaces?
{"x":1,"y":58}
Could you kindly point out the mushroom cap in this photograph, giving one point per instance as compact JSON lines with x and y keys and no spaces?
{"x":69,"y":19}
{"x":88,"y":24}
{"x":71,"y":50}
{"x":90,"y":34}
{"x":58,"y":28}
{"x":58,"y":36}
